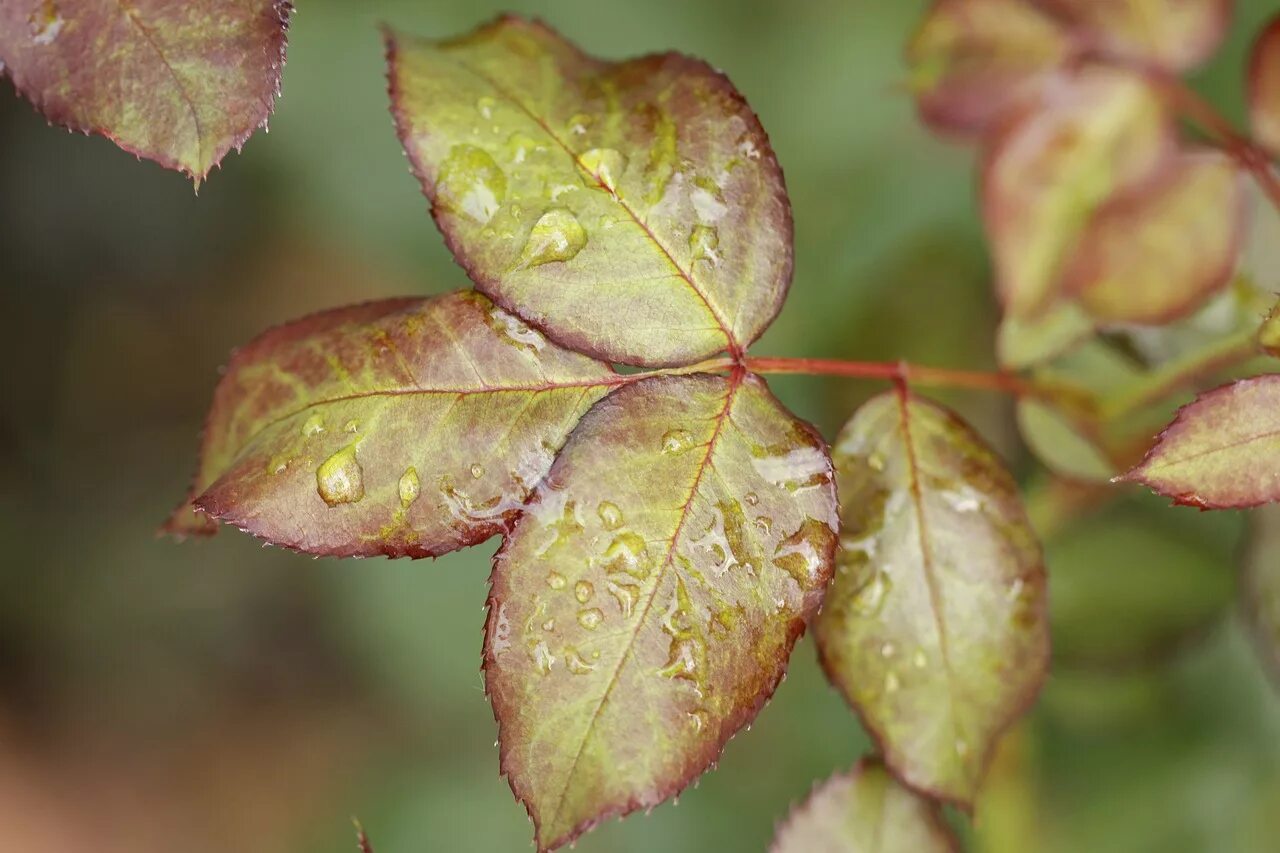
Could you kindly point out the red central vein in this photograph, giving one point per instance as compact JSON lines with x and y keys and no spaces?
{"x":703,"y":466}
{"x":732,"y":345}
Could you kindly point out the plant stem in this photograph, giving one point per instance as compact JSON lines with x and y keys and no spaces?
{"x":1182,"y":372}
{"x":901,"y":372}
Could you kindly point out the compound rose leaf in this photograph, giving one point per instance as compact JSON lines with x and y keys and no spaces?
{"x":177,"y":83}
{"x":971,"y":59}
{"x":1176,"y":35}
{"x":1264,"y":87}
{"x":645,"y":604}
{"x":1222,"y":450}
{"x":935,"y":628}
{"x":1160,"y":251}
{"x":865,"y":810}
{"x":633,"y":210}
{"x":1053,"y":163}
{"x":1260,"y":586}
{"x":406,"y":427}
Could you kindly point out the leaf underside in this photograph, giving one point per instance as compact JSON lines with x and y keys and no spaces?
{"x":644,"y":606}
{"x":177,"y":83}
{"x":407,"y":427}
{"x":1222,"y":450}
{"x":935,"y":625}
{"x":865,"y":810}
{"x":633,"y":210}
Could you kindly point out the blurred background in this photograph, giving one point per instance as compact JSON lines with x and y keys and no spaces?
{"x":216,"y":696}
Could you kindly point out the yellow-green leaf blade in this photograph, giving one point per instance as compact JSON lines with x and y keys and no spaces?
{"x":1175,"y":34}
{"x":865,"y":810}
{"x":645,"y":604}
{"x":1161,"y":251}
{"x":406,"y":427}
{"x":971,"y":59}
{"x":1264,"y":87}
{"x":1063,"y":442}
{"x":1222,"y":450}
{"x":177,"y":83}
{"x":1048,"y":169}
{"x":634,"y":210}
{"x":935,"y":626}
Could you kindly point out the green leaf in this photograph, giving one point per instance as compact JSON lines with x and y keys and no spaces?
{"x":865,"y":810}
{"x":644,"y":606}
{"x":405,"y":427}
{"x":178,"y":83}
{"x":1260,"y":586}
{"x":1159,"y":252}
{"x":1269,"y":332}
{"x":1048,"y":169}
{"x":1062,"y":442}
{"x":935,"y":627}
{"x":1264,"y":86}
{"x":1130,"y":586}
{"x":1221,"y":451}
{"x":1175,"y":34}
{"x":633,"y":210}
{"x":971,"y":59}
{"x":1023,"y":342}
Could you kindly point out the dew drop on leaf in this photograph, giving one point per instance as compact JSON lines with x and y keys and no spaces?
{"x":555,"y":580}
{"x":520,"y":146}
{"x":590,"y":618}
{"x":314,"y":425}
{"x":891,"y":682}
{"x":583,"y":590}
{"x":576,"y":663}
{"x":471,"y":183}
{"x":604,"y":166}
{"x":352,"y":426}
{"x":477,"y":471}
{"x":627,"y":554}
{"x":46,"y":23}
{"x":485,"y":106}
{"x":556,"y":236}
{"x":610,"y":515}
{"x":870,"y":598}
{"x":676,"y":441}
{"x":578,"y":124}
{"x":340,"y":479}
{"x":704,"y":242}
{"x":410,"y":487}
{"x":920,"y":659}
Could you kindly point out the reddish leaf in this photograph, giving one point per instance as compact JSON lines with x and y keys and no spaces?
{"x":865,"y":810}
{"x":971,"y":59}
{"x":1223,"y":450}
{"x":935,"y":627}
{"x":406,"y":427}
{"x":1175,"y":34}
{"x":645,"y":604}
{"x":1051,"y":166}
{"x":177,"y":83}
{"x":1264,"y":86}
{"x":634,"y":210}
{"x":1159,"y":251}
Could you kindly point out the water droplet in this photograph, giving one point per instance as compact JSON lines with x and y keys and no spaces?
{"x":704,"y":241}
{"x":314,"y":425}
{"x":556,"y":236}
{"x":46,"y":22}
{"x":610,"y":515}
{"x":626,"y":594}
{"x":520,"y":146}
{"x":676,"y":441}
{"x":583,"y":590}
{"x":869,"y":599}
{"x":278,"y":464}
{"x":410,"y":486}
{"x":605,"y":166}
{"x":352,"y":426}
{"x":576,"y":663}
{"x":708,"y":200}
{"x":891,"y":684}
{"x":627,"y":554}
{"x":590,"y":618}
{"x":471,"y":183}
{"x":555,"y":580}
{"x":697,"y":720}
{"x":542,"y":657}
{"x":803,"y":553}
{"x":477,"y":471}
{"x":920,"y":659}
{"x":747,"y":148}
{"x":764,"y":524}
{"x":549,"y":625}
{"x":513,"y":331}
{"x":485,"y":106}
{"x":683,"y":658}
{"x":752,"y":498}
{"x":876,"y":461}
{"x":578,"y":124}
{"x":340,"y":479}
{"x":962,"y":748}
{"x":887,"y":650}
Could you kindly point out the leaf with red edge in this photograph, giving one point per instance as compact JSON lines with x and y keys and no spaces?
{"x":1177,"y":35}
{"x":406,"y":427}
{"x":178,"y":83}
{"x":971,"y":59}
{"x":1264,"y":86}
{"x":1052,"y":164}
{"x":633,"y":210}
{"x":935,"y":628}
{"x":1221,"y":451}
{"x":865,"y":810}
{"x":1260,"y":586}
{"x":1160,"y":251}
{"x":644,"y":606}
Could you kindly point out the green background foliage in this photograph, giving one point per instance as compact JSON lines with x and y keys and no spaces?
{"x":216,"y":696}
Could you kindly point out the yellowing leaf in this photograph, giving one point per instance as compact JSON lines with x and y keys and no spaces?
{"x":1159,"y":252}
{"x":1223,"y":450}
{"x":1174,"y":34}
{"x":645,"y":604}
{"x":971,"y":59}
{"x":1264,"y":87}
{"x":180,"y":83}
{"x":1062,"y":442}
{"x":1048,"y":169}
{"x":1260,"y":586}
{"x":935,"y":626}
{"x":406,"y":427}
{"x":634,"y":210}
{"x":866,"y":810}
